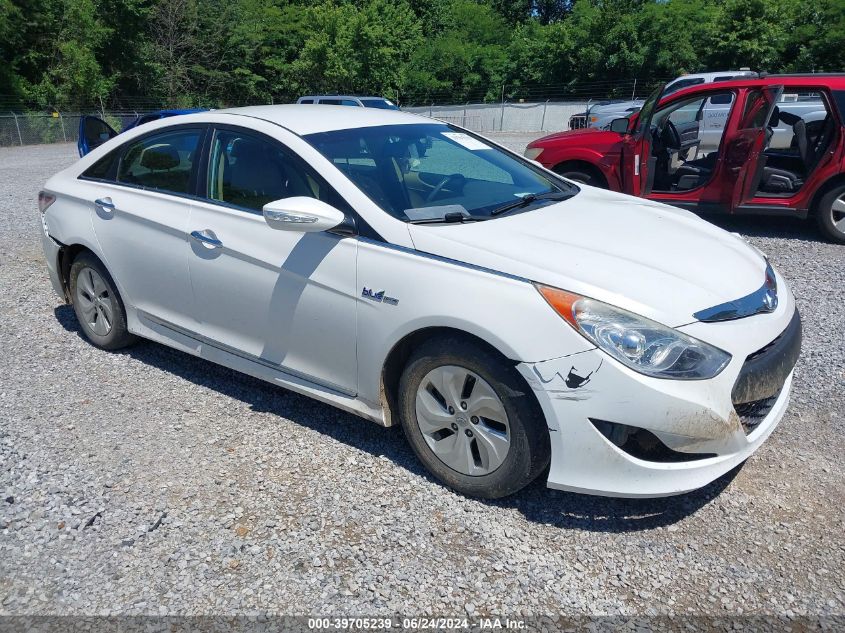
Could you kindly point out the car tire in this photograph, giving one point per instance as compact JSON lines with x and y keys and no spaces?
{"x":581,"y":175}
{"x":488,"y":456}
{"x":97,"y":304}
{"x":830,"y":214}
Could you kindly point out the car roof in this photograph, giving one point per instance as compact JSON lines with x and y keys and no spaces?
{"x":343,"y":97}
{"x":710,"y":76}
{"x":309,"y":119}
{"x":815,"y":80}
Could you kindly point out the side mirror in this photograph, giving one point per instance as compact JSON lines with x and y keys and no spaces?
{"x":303,"y":214}
{"x":619,"y":125}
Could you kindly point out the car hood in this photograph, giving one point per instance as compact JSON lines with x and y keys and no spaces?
{"x":589,"y":135}
{"x":652,"y":259}
{"x":619,"y":106}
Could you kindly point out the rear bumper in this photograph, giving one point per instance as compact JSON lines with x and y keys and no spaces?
{"x":51,"y":254}
{"x":695,"y":424}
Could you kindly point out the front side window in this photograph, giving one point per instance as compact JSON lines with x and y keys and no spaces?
{"x":162,"y":162}
{"x":428,"y":171}
{"x":247,"y":171}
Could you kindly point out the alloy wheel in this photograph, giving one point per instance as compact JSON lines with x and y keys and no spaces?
{"x":463,"y":420}
{"x":95,"y":301}
{"x":837,"y":213}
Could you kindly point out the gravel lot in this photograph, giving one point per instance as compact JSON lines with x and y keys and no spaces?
{"x":151,"y":482}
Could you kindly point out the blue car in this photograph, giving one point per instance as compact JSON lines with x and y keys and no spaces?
{"x":93,"y":131}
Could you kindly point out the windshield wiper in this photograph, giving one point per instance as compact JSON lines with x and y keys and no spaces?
{"x":449,"y":218}
{"x":529,"y":198}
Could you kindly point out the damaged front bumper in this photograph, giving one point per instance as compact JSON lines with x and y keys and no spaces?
{"x":615,"y":432}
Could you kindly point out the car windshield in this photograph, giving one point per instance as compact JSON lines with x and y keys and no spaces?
{"x":434,"y":172}
{"x":381,"y":104}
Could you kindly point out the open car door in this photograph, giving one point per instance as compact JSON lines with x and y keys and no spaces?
{"x":93,"y":132}
{"x":636,"y":145}
{"x":744,"y":158}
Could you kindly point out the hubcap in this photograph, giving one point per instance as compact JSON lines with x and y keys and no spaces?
{"x":462,"y":420}
{"x":94,"y":301}
{"x":837,"y":212}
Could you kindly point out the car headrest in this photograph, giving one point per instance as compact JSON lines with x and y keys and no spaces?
{"x":775,"y":118}
{"x":157,"y":157}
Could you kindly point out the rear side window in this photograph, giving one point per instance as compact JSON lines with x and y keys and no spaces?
{"x":162,"y":162}
{"x":683,"y":83}
{"x":248,"y":172}
{"x":341,"y":102}
{"x":306,"y":101}
{"x":723,"y":98}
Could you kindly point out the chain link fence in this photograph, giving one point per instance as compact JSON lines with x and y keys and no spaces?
{"x":36,"y":128}
{"x":546,"y":116}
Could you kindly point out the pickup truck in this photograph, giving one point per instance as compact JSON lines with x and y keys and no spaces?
{"x":770,"y":145}
{"x":602,"y":113}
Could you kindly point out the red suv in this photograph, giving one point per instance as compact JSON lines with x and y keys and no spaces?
{"x":769,"y":146}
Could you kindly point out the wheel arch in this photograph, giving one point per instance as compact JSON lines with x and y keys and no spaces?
{"x":67,"y":254}
{"x":831,"y":183}
{"x":397,"y":357}
{"x":583,"y":165}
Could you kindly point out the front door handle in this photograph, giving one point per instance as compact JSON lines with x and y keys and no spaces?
{"x":104,"y":203}
{"x":206,"y":237}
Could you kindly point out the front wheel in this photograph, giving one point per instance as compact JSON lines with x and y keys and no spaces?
{"x":471,"y":419}
{"x":830,"y":214}
{"x":581,"y":174}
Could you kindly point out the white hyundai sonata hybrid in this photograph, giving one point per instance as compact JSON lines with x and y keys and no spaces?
{"x":412,"y":272}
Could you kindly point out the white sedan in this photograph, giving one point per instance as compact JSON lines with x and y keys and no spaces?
{"x":412,"y":272}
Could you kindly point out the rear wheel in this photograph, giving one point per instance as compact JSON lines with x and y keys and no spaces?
{"x":830,"y":214}
{"x":97,"y":304}
{"x":471,"y":419}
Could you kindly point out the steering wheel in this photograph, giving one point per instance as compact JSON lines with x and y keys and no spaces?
{"x":671,"y":138}
{"x":439,"y":186}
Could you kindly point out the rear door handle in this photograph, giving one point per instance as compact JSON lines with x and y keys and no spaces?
{"x":207,"y":237}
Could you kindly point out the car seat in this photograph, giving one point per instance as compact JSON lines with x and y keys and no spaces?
{"x":776,"y":179}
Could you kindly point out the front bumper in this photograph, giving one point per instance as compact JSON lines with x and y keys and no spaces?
{"x":582,"y":392}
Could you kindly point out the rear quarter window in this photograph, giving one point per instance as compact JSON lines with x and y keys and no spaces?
{"x":103,"y":169}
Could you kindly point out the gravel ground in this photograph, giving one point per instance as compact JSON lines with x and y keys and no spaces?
{"x":151,"y":482}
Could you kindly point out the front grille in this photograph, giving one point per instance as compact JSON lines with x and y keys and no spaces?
{"x":752,"y":413}
{"x":577,"y":121}
{"x":765,"y":371}
{"x":762,"y":351}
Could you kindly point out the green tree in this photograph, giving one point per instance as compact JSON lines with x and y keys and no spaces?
{"x":354,"y":49}
{"x":74,"y":76}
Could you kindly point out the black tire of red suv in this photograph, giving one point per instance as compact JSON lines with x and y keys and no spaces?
{"x":830,"y":214}
{"x":581,"y":174}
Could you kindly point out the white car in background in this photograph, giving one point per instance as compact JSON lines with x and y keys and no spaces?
{"x":412,"y":272}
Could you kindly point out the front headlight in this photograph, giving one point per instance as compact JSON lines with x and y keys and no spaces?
{"x":639,"y":343}
{"x":533,"y":152}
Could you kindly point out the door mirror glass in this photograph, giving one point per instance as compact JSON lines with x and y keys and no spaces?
{"x":619,"y":125}
{"x":303,"y":214}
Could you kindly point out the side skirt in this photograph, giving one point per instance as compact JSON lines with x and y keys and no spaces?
{"x":154,"y":329}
